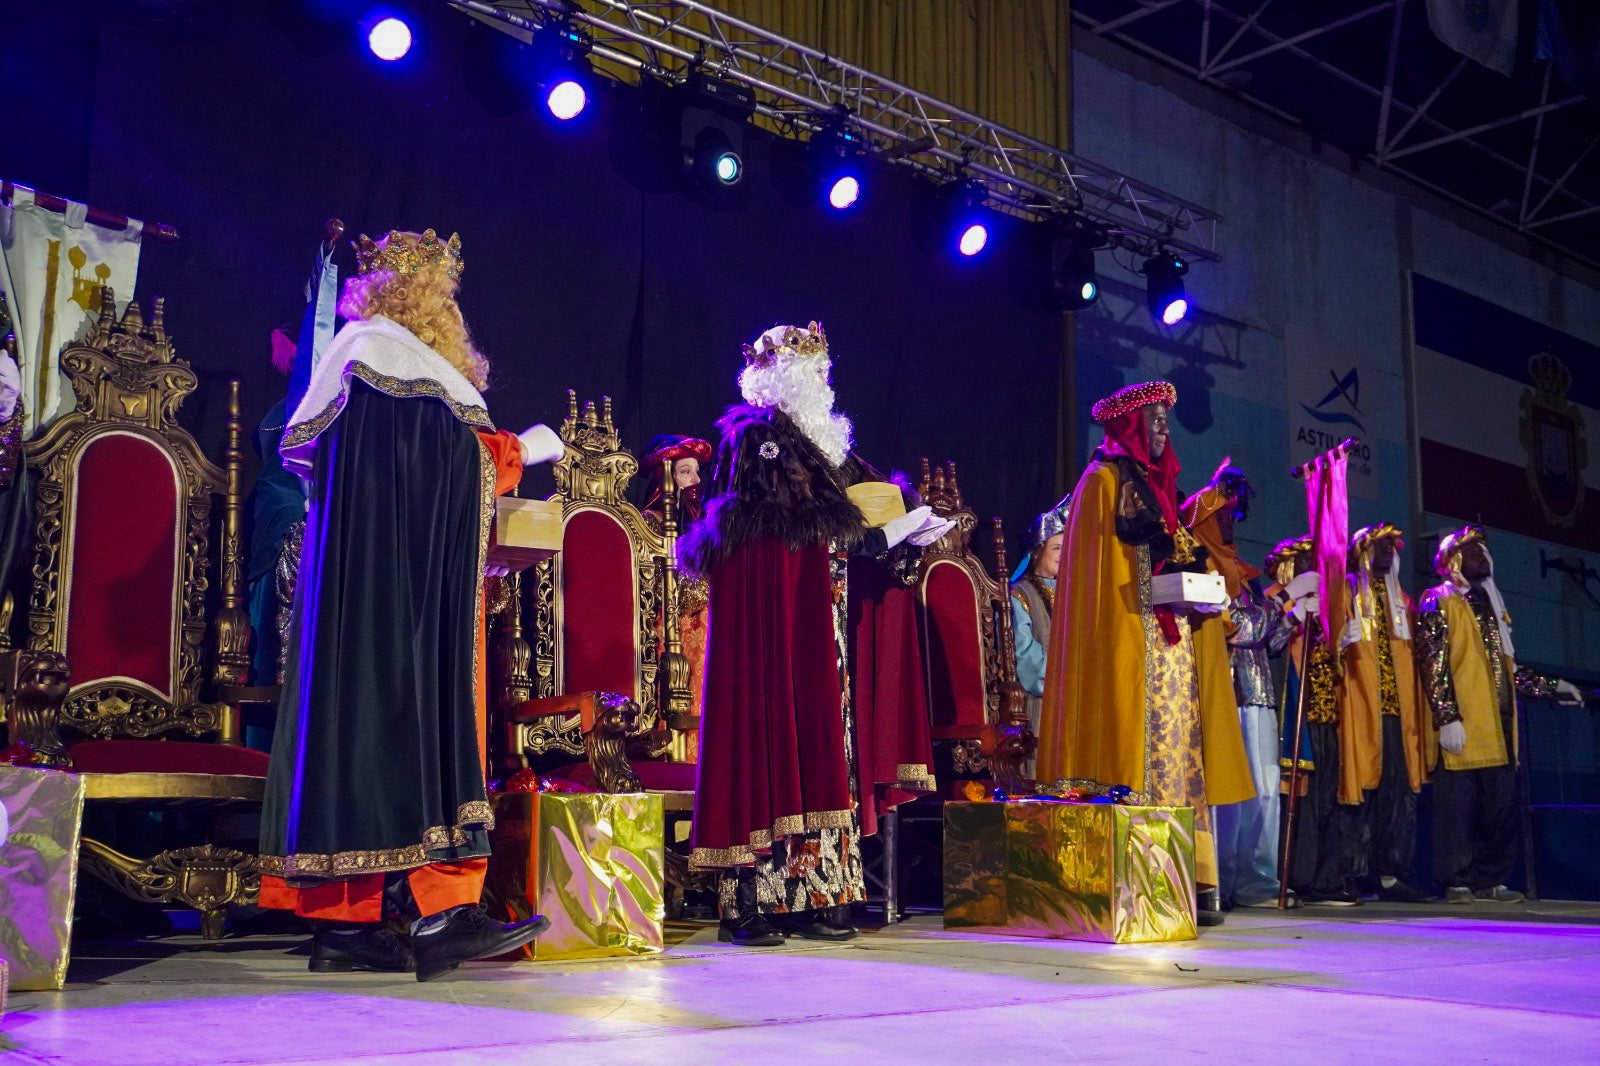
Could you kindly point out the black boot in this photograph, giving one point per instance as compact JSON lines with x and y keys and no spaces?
{"x":1208,"y":908}
{"x":444,"y":941}
{"x":751,"y":929}
{"x":342,"y":947}
{"x":819,"y":925}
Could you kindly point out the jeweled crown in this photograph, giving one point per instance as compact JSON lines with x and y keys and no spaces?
{"x":406,"y":253}
{"x":808,"y":343}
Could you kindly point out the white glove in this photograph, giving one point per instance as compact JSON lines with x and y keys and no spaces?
{"x":1303,"y":584}
{"x":1453,"y":738}
{"x":900,"y":527}
{"x":1310,"y":604}
{"x":1351,"y":634}
{"x":10,"y":387}
{"x":495,"y":570}
{"x":1567,"y":692}
{"x":540,"y":445}
{"x":932,"y":530}
{"x":1208,"y":608}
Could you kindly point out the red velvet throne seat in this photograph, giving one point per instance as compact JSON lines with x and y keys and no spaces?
{"x":964,"y":617}
{"x":122,"y":539}
{"x":602,"y":688}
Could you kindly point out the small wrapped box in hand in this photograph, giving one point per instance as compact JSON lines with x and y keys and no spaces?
{"x":1188,"y":590}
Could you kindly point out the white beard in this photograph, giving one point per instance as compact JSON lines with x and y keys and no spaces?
{"x":799,"y":390}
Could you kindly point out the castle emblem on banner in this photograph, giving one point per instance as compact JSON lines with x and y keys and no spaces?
{"x":1552,"y":433}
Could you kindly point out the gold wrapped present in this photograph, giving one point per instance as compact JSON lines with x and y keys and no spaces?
{"x":1070,"y":871}
{"x":38,"y":874}
{"x":524,"y":532}
{"x":879,"y":501}
{"x":590,"y":862}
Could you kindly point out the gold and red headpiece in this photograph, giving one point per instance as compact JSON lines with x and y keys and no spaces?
{"x":1447,"y":560}
{"x":808,"y":343}
{"x":1133,"y":397}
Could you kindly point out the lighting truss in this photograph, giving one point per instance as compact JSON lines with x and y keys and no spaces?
{"x":1401,"y":130}
{"x":800,"y":89}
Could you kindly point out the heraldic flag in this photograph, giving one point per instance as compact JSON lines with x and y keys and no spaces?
{"x":1507,"y":412}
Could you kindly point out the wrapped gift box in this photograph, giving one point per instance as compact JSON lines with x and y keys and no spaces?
{"x":1184,"y":589}
{"x":38,"y":874}
{"x":1070,"y":871}
{"x":590,"y":862}
{"x":879,"y":501}
{"x":525,"y":532}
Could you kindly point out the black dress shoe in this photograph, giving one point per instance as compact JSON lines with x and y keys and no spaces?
{"x":751,"y":931}
{"x":372,"y":948}
{"x":1342,"y":898}
{"x":1400,"y":892}
{"x":1203,"y":917}
{"x":820,"y":927}
{"x":467,"y":933}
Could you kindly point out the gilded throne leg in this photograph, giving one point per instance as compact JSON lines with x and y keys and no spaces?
{"x":208,"y":879}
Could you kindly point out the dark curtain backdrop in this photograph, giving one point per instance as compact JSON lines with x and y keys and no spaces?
{"x":581,"y":270}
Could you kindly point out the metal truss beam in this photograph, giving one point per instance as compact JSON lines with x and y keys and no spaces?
{"x":800,"y":89}
{"x":1539,"y":190}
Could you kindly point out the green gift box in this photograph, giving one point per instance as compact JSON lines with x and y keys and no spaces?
{"x":590,"y":862}
{"x":1070,"y":871}
{"x":38,"y":874}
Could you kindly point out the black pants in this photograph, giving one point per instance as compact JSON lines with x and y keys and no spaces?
{"x":1390,"y":811}
{"x":1475,"y":828}
{"x":1326,"y":832}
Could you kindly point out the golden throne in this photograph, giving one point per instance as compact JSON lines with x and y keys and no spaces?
{"x":594,"y":684}
{"x":121,"y":572}
{"x":964,"y":615}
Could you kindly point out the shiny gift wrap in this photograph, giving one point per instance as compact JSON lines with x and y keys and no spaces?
{"x":38,"y":874}
{"x":591,"y":863}
{"x":1070,"y":871}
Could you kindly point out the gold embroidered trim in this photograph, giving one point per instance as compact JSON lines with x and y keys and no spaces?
{"x":302,"y":433}
{"x":915,"y":775}
{"x":761,"y":840}
{"x":475,"y":813}
{"x":486,"y":508}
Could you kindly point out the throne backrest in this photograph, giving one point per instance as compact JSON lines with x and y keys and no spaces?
{"x":122,"y":535}
{"x":597,"y":604}
{"x":956,"y":604}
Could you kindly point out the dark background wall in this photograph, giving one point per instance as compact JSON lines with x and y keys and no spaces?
{"x":581,"y":271}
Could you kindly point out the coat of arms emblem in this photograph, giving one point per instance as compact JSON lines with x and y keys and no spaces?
{"x":1552,"y":434}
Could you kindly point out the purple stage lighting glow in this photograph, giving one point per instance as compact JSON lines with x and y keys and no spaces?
{"x":567,"y":99}
{"x":844,"y":192}
{"x":973,"y":238}
{"x":389,"y":39}
{"x":1173,"y":313}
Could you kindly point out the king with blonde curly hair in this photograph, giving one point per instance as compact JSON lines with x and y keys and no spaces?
{"x":375,"y":804}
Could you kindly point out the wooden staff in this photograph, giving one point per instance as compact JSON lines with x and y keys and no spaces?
{"x":1344,"y":447}
{"x":105,"y":219}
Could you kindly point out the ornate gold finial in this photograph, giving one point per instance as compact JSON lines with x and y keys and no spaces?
{"x":406,"y":253}
{"x":808,"y":343}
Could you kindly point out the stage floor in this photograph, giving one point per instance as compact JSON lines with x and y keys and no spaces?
{"x":1485,"y":983}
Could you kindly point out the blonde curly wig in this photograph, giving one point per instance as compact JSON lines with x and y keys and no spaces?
{"x":424,"y":302}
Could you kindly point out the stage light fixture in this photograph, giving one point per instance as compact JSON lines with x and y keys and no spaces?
{"x":968,"y":222}
{"x":1164,"y":291}
{"x":566,"y":99}
{"x":710,"y":116}
{"x":836,"y":160}
{"x":561,"y":66}
{"x":389,"y":38}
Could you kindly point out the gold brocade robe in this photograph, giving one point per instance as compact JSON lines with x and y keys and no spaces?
{"x":1464,"y":683}
{"x":1361,"y":710}
{"x":1093,"y":724}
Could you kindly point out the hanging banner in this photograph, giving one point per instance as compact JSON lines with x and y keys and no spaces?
{"x":53,"y":267}
{"x":1323,"y":406}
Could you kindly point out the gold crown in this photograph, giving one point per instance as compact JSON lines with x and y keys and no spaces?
{"x":1447,"y":560}
{"x":808,"y":343}
{"x":406,"y":253}
{"x":1550,"y":375}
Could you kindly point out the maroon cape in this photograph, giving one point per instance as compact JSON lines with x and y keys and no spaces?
{"x":894,"y":749}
